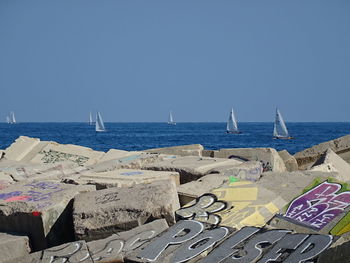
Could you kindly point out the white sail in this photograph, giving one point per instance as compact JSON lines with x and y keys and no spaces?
{"x":171,"y":119}
{"x":90,"y":119}
{"x":12,"y":117}
{"x":280,"y":129}
{"x":99,"y":126}
{"x":8,"y":119}
{"x":232,"y":126}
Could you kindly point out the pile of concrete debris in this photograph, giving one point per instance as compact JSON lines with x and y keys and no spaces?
{"x":68,"y":203}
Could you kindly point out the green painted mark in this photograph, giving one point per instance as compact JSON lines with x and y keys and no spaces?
{"x":233,"y":179}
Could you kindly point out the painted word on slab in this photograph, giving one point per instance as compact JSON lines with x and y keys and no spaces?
{"x":319,"y":206}
{"x":189,"y":239}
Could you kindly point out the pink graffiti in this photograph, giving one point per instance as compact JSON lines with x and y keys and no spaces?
{"x":17,"y":198}
{"x":319,"y":206}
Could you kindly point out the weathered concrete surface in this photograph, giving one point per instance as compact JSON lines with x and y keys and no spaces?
{"x":183,"y":150}
{"x":31,"y":149}
{"x":289,"y":161}
{"x":192,"y":190}
{"x":338,"y":252}
{"x":5,"y":181}
{"x":13,"y":246}
{"x":125,"y":178}
{"x":41,"y":210}
{"x":331,"y":162}
{"x":74,"y":252}
{"x":115,"y":247}
{"x":250,"y":170}
{"x":340,"y":146}
{"x":117,"y":154}
{"x":191,"y":168}
{"x":268,"y":156}
{"x":101,"y":213}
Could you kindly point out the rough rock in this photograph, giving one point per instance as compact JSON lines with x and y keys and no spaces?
{"x":33,"y":150}
{"x":191,"y":168}
{"x":340,"y":146}
{"x":104,"y":212}
{"x":183,"y":150}
{"x":13,"y":246}
{"x":41,"y":210}
{"x":289,"y":161}
{"x":124,"y":178}
{"x":268,"y":156}
{"x":329,"y":161}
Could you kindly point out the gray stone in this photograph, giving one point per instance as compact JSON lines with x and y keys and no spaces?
{"x":191,"y":168}
{"x":340,"y":146}
{"x":331,"y":162}
{"x":268,"y":156}
{"x":289,"y":161}
{"x":13,"y":246}
{"x":104,"y":212}
{"x":250,"y":171}
{"x":183,"y":150}
{"x":117,"y":246}
{"x":41,"y":210}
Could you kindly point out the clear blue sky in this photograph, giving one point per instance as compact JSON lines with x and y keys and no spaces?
{"x":136,"y":60}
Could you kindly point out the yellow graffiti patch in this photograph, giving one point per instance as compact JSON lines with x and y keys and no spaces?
{"x":342,"y":227}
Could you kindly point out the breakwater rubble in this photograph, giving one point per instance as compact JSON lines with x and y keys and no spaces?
{"x":68,"y":203}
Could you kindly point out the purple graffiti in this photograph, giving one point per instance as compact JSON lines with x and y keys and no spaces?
{"x":319,"y":206}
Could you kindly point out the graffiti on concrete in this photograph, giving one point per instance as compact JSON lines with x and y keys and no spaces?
{"x":319,"y":206}
{"x":203,"y":209}
{"x":342,"y":227}
{"x":52,"y":156}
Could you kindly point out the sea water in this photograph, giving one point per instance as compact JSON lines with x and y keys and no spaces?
{"x":140,"y":136}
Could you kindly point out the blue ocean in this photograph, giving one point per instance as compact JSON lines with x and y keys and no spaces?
{"x":140,"y":136}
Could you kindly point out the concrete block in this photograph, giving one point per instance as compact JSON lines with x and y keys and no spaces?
{"x":33,"y":150}
{"x":104,"y":212}
{"x":340,"y":146}
{"x":183,"y":150}
{"x":191,"y":168}
{"x":125,"y":178}
{"x":208,"y":153}
{"x":41,"y":210}
{"x":115,"y":247}
{"x":13,"y":246}
{"x":192,"y":190}
{"x":268,"y":156}
{"x":329,"y":161}
{"x":289,"y":161}
{"x":250,"y":171}
{"x":74,"y":252}
{"x":117,"y":154}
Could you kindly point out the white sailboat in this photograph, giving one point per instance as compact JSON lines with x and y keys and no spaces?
{"x":99,"y":125}
{"x":12,"y":118}
{"x":232,"y":126}
{"x":90,"y":119}
{"x":8,"y":119}
{"x":280,"y":129}
{"x":171,"y":119}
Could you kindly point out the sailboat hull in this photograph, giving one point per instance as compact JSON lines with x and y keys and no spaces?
{"x":283,"y":138}
{"x":233,"y":132}
{"x":172,"y":123}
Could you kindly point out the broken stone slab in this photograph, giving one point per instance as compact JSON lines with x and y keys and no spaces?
{"x":119,"y":245}
{"x":41,"y":210}
{"x":13,"y":246}
{"x":289,"y":161}
{"x":250,"y":171}
{"x":269,"y":157}
{"x":183,"y":150}
{"x":28,"y":149}
{"x":192,"y":190}
{"x":74,"y":252}
{"x":124,"y":178}
{"x":340,"y":146}
{"x":329,"y":161}
{"x":117,"y":154}
{"x":191,"y":168}
{"x":99,"y":214}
